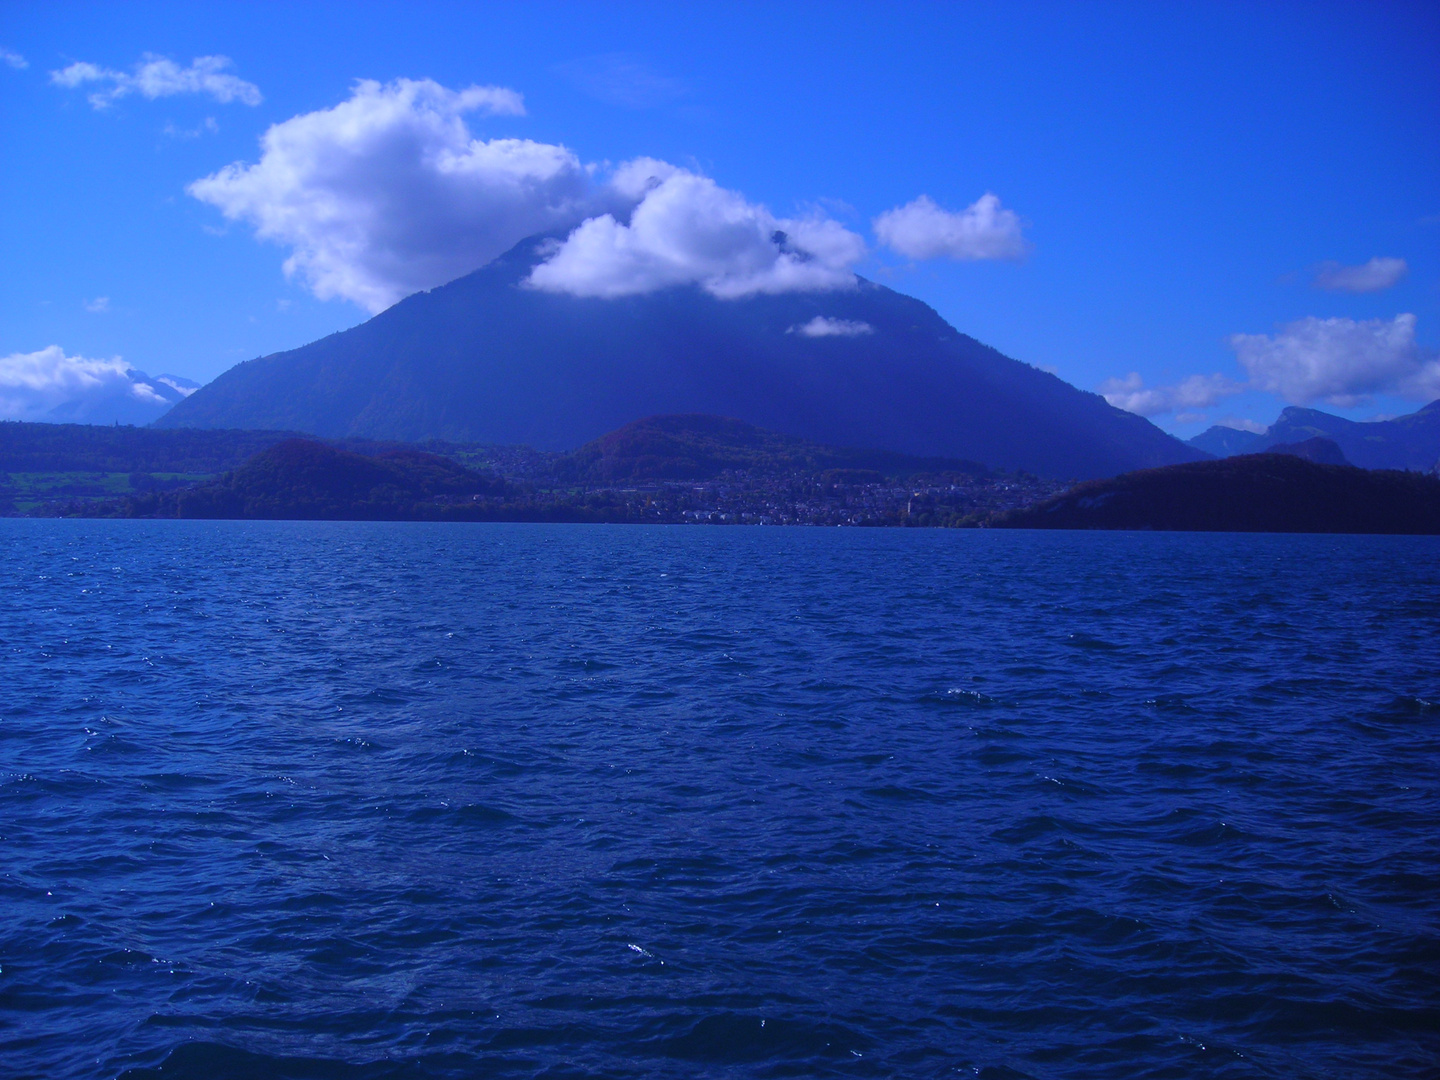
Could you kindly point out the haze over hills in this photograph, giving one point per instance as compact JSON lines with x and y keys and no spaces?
{"x":1405,"y":442}
{"x":486,"y":359}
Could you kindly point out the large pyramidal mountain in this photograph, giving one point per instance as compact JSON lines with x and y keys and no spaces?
{"x":486,"y":359}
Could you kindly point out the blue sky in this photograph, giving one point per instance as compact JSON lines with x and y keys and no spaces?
{"x":1182,"y":174}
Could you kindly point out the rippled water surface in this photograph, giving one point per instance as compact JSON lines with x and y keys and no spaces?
{"x":395,"y":800}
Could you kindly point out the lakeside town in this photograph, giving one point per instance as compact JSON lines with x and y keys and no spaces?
{"x":844,"y":497}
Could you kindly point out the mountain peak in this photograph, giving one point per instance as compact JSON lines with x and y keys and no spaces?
{"x":483,"y":359}
{"x":1403,"y":442}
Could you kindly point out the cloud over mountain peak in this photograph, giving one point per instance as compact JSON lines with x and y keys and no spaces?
{"x":686,"y":229}
{"x":388,"y":193}
{"x":48,"y":384}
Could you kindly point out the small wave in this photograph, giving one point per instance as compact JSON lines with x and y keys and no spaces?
{"x":1170,"y":703}
{"x":216,"y":1061}
{"x":466,"y":814}
{"x":1071,"y":786}
{"x":897,"y":793}
{"x":1215,"y":832}
{"x":1414,"y":707}
{"x":972,"y":699}
{"x":589,"y":663}
{"x":729,"y":1038}
{"x":1031,"y":828}
{"x":1082,"y":640}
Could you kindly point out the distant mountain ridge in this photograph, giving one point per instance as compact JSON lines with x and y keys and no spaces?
{"x":1405,"y":442}
{"x":1224,"y":441}
{"x":140,"y":400}
{"x":485,"y":359}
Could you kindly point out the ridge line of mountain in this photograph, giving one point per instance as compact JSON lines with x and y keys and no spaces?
{"x":483,"y":359}
{"x":1409,"y":442}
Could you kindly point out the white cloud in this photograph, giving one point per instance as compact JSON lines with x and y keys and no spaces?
{"x":174,"y":132}
{"x":99,"y":305}
{"x":1341,"y":361}
{"x":923,"y":230}
{"x":1240,"y":423}
{"x":1373,"y":276}
{"x":686,"y":229}
{"x":34,"y":385}
{"x":1195,"y":392}
{"x":183,"y":387}
{"x":157,"y":77}
{"x":14,"y":59}
{"x":387,"y":193}
{"x":823,"y":326}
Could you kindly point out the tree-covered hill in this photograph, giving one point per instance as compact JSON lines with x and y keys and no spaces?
{"x":302,"y":478}
{"x":100,"y":448}
{"x":1250,"y":493}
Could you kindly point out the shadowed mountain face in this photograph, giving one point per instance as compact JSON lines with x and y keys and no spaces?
{"x":484,"y":359}
{"x":1269,"y":492}
{"x":1406,"y":442}
{"x":1227,"y":442}
{"x":1321,"y":451}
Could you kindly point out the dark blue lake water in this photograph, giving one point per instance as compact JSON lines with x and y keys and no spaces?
{"x":402,"y":800}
